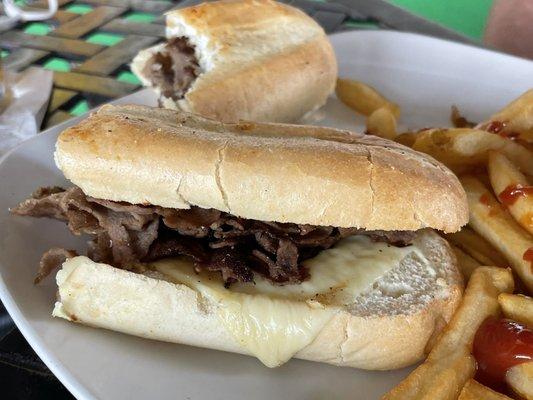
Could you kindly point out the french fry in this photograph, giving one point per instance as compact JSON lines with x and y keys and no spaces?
{"x":476,"y":391}
{"x":499,"y":228}
{"x":450,"y":365}
{"x":463,"y":149}
{"x":382,"y":123}
{"x":458,"y":120}
{"x":504,"y":176}
{"x":363,"y":98}
{"x":477,"y":247}
{"x":517,"y":307}
{"x":467,"y":264}
{"x":517,"y":117}
{"x":407,"y":138}
{"x":520,"y":379}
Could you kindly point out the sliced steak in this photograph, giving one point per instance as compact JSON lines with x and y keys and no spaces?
{"x":123,"y":232}
{"x":126,"y":234}
{"x":52,"y":260}
{"x":173,"y":68}
{"x":173,"y":246}
{"x":231,"y":263}
{"x":194,"y":222}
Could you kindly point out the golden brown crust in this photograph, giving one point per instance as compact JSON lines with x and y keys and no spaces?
{"x":270,"y":172}
{"x":229,"y":14}
{"x":260,"y":60}
{"x":281,"y":89}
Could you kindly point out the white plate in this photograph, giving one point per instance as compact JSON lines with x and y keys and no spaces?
{"x":424,"y":75}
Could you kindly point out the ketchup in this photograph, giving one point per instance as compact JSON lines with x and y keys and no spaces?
{"x":528,"y":256}
{"x":509,"y":135}
{"x":500,"y":344}
{"x":513,"y":192}
{"x":498,"y":127}
{"x":485,"y":199}
{"x":495,"y":127}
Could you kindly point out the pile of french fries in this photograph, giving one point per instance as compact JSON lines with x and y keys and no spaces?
{"x":494,"y":162}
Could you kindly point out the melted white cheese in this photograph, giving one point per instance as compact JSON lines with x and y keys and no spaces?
{"x":275,"y":322}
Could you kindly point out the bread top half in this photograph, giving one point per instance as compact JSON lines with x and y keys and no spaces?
{"x":229,"y":34}
{"x":269,"y":172}
{"x":258,"y":59}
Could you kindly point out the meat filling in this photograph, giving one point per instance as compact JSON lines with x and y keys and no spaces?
{"x":125,"y":235}
{"x":174,"y":68}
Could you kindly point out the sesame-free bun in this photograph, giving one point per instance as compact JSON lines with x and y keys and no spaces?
{"x":390,"y":325}
{"x":269,"y":172}
{"x":259,"y":60}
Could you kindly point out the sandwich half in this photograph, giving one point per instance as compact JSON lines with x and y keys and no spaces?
{"x":240,"y":59}
{"x":270,"y":240}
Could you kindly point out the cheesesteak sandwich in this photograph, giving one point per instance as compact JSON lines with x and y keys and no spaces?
{"x":240,"y":59}
{"x":264,"y":239}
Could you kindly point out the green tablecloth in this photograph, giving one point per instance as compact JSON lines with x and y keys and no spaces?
{"x":465,"y":16}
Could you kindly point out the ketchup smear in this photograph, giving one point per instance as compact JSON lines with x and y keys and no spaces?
{"x":498,"y":127}
{"x":513,"y":192}
{"x":509,"y":135}
{"x":528,"y":256}
{"x":500,"y":344}
{"x":485,"y":199}
{"x":495,"y":126}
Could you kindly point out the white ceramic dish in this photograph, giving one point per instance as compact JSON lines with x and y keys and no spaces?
{"x":424,"y":75}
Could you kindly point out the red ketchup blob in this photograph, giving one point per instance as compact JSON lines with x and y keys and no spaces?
{"x":498,"y":127}
{"x":495,"y":127}
{"x":512,"y":193}
{"x":485,"y":199}
{"x":528,"y":256}
{"x":500,"y":344}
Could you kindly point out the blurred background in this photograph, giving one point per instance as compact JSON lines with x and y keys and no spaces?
{"x":88,"y":44}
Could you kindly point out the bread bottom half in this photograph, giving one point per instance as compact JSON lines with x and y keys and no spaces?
{"x":390,"y":325}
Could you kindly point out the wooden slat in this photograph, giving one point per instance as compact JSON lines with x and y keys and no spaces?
{"x":107,"y":87}
{"x":57,"y":117}
{"x":21,"y":58}
{"x":129,"y":27}
{"x":60,"y":16}
{"x":90,"y":80}
{"x":70,"y":47}
{"x":64,"y":16}
{"x":85,"y":23}
{"x":153,"y":6}
{"x":107,"y":61}
{"x":59,"y":97}
{"x":44,"y":3}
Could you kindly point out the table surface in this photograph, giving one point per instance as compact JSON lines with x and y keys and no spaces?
{"x":22,"y":373}
{"x":467,"y":17}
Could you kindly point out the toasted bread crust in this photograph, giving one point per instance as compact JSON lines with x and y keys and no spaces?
{"x":269,"y":172}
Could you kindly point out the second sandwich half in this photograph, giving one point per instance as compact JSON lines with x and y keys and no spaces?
{"x":271,"y":240}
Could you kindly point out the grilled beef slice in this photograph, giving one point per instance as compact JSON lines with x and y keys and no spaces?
{"x":173,"y":68}
{"x":125,"y":234}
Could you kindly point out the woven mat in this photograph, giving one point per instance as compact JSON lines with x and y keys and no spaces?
{"x":89,"y":46}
